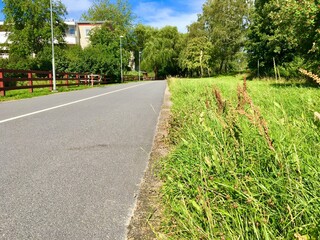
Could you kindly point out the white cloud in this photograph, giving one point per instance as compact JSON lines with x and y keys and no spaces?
{"x":181,"y":21}
{"x":76,"y":7}
{"x":151,"y":13}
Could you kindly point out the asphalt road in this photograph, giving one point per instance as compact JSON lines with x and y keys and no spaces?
{"x":71,"y":163}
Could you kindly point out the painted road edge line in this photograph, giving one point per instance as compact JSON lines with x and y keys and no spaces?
{"x":70,"y":103}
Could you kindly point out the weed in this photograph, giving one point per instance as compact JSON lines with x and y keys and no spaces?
{"x":239,"y":171}
{"x":310,"y":75}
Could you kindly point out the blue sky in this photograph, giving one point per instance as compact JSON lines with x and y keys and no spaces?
{"x":159,"y":13}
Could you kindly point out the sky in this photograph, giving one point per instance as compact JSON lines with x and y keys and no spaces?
{"x":158,"y":14}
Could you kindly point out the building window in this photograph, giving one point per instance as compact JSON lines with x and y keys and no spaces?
{"x":88,"y":32}
{"x":72,"y":31}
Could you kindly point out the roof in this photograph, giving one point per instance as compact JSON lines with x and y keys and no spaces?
{"x":91,"y":22}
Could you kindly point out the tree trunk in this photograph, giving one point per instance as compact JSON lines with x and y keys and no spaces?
{"x":155,"y":70}
{"x":201,"y":68}
{"x":221,"y":66}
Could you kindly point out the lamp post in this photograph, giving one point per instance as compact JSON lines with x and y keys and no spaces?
{"x":139,"y":63}
{"x":121,"y":58}
{"x":52,"y":43}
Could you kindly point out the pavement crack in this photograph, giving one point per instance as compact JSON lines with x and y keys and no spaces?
{"x":92,"y":147}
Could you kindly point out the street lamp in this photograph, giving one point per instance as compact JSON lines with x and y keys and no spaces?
{"x":121,"y":58}
{"x":52,"y":43}
{"x":139,"y":63}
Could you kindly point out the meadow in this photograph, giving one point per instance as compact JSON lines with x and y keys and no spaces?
{"x":245,"y":162}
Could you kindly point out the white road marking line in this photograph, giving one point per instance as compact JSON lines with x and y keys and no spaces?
{"x":153,"y":109}
{"x":70,"y":103}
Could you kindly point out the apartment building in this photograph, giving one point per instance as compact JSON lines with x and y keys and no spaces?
{"x":3,"y":39}
{"x":83,"y":32}
{"x":77,"y":33}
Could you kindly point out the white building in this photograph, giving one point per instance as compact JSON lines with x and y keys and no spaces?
{"x":77,"y":33}
{"x":3,"y":40}
{"x":70,"y":37}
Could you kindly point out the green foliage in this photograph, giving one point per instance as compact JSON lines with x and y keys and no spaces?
{"x":214,"y":44}
{"x":103,"y":56}
{"x":228,"y":35}
{"x":29,"y":25}
{"x":100,"y":59}
{"x":141,"y":35}
{"x":304,"y":17}
{"x":195,"y":57}
{"x":73,"y":55}
{"x":224,"y":22}
{"x":118,"y":14}
{"x":285,"y":31}
{"x":243,"y":166}
{"x":289,"y":70}
{"x":161,"y":52}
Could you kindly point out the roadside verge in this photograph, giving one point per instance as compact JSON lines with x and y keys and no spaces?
{"x":147,"y":213}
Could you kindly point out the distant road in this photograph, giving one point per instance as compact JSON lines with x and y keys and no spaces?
{"x":70,"y":163}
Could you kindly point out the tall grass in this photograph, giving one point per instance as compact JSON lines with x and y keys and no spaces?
{"x":246,"y":161}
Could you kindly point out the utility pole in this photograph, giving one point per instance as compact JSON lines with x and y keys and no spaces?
{"x":52,"y":43}
{"x":139,"y":64}
{"x":121,"y":58}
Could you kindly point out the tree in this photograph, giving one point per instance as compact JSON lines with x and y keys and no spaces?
{"x":118,"y":19}
{"x":161,"y":52}
{"x":118,"y":14}
{"x":99,"y":59}
{"x":266,"y":42}
{"x":28,"y":22}
{"x":195,"y":57}
{"x":225,"y":23}
{"x":103,"y":55}
{"x":303,"y":17}
{"x":141,"y":35}
{"x":287,"y":32}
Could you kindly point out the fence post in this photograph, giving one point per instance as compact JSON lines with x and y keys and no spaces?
{"x":30,"y":82}
{"x":67,"y":79}
{"x":78,"y":79}
{"x":91,"y":80}
{"x":3,"y":92}
{"x":50,"y":81}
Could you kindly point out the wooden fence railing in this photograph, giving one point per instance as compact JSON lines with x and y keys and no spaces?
{"x":30,"y":79}
{"x":142,"y":78}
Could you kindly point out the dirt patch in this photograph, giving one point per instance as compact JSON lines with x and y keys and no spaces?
{"x":147,"y":214}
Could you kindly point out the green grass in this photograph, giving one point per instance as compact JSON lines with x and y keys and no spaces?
{"x":248,"y":170}
{"x":24,"y":93}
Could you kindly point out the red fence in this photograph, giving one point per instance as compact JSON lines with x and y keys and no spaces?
{"x":143,"y":78}
{"x":28,"y":79}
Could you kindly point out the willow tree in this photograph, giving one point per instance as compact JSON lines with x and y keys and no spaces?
{"x":161,"y":52}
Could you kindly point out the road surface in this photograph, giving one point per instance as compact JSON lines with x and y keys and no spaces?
{"x":71,"y":163}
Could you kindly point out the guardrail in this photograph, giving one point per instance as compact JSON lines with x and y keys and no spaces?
{"x":30,"y":79}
